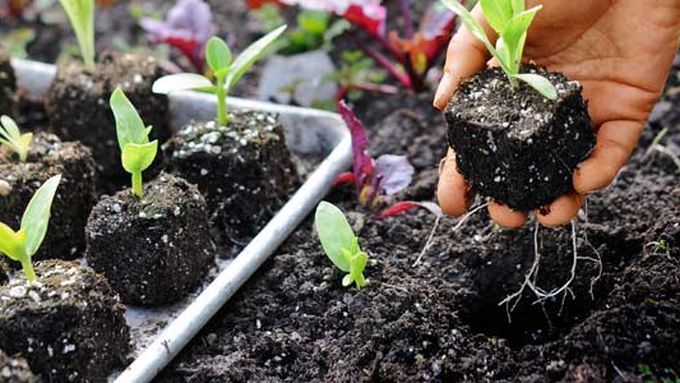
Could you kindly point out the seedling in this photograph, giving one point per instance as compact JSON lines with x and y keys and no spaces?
{"x":340,"y":244}
{"x":374,"y":179}
{"x":227,"y":72}
{"x":511,"y":21}
{"x":137,"y":153}
{"x":12,"y":137}
{"x":81,"y":15}
{"x":21,"y":245}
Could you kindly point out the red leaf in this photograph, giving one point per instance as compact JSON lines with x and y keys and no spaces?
{"x":344,"y":178}
{"x":370,"y":17}
{"x":362,"y":162}
{"x":405,"y":206}
{"x":257,"y":4}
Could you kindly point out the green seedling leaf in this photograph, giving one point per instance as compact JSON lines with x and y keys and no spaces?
{"x":335,"y":234}
{"x":250,"y":55}
{"x":517,"y":6}
{"x":138,"y":157}
{"x":37,"y":215}
{"x":12,"y":242}
{"x":357,"y":267}
{"x":81,"y":16}
{"x":181,"y":81}
{"x":218,"y":54}
{"x":129,"y":125}
{"x":12,"y":137}
{"x":498,"y":13}
{"x":540,"y":83}
{"x":515,"y":35}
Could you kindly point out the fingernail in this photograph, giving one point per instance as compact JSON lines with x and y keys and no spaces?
{"x":444,"y":84}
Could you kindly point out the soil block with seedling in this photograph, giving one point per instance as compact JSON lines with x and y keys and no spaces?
{"x":518,"y":137}
{"x":65,"y":319}
{"x":239,"y":161}
{"x":152,"y":243}
{"x":7,"y":83}
{"x":15,"y":370}
{"x":76,"y":101}
{"x":26,"y":161}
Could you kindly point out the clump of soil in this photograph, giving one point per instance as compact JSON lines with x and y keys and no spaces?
{"x":244,"y":170}
{"x":47,"y":157}
{"x":156,"y":249}
{"x":515,"y":145}
{"x":15,"y":370}
{"x":5,"y":269}
{"x":7,"y":83}
{"x":69,"y":325}
{"x":77,"y":103}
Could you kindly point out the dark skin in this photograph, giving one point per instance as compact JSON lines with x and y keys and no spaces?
{"x":621,"y":52}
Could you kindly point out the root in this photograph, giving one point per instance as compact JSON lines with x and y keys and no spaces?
{"x":530,"y":278}
{"x":460,"y":223}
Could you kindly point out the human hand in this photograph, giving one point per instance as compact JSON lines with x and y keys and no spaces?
{"x":619,"y":50}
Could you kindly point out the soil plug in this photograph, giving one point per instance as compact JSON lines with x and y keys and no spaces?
{"x":240,"y":160}
{"x":20,"y":245}
{"x":154,"y":245}
{"x":340,"y":244}
{"x":518,"y":131}
{"x":75,"y":100}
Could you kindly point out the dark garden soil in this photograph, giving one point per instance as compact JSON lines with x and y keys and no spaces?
{"x":15,"y":370}
{"x":517,"y":146}
{"x":441,"y":320}
{"x":7,"y":83}
{"x":49,"y":156}
{"x":154,"y":250}
{"x":69,"y":325}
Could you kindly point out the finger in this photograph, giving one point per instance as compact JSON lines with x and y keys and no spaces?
{"x":561,"y":210}
{"x":454,"y":193}
{"x":505,"y":216}
{"x":465,"y":56}
{"x":615,"y":143}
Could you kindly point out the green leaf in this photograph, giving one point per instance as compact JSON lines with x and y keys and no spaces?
{"x":11,"y":130}
{"x":335,"y":234}
{"x":217,"y":54}
{"x":129,"y":125}
{"x":12,"y":137}
{"x":81,"y":16}
{"x":12,"y":242}
{"x":503,"y":54}
{"x":497,"y":13}
{"x":540,"y":83}
{"x":37,"y":214}
{"x":471,"y":24}
{"x":251,"y":54}
{"x":180,"y":81}
{"x":138,"y":157}
{"x":357,"y":267}
{"x":517,"y":6}
{"x":515,"y":35}
{"x":313,"y":22}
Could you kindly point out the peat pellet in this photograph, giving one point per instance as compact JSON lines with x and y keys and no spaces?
{"x":69,"y":324}
{"x":514,"y":145}
{"x":15,"y":370}
{"x":156,"y":249}
{"x":7,"y":83}
{"x":47,"y":157}
{"x":244,"y":169}
{"x":77,"y":103}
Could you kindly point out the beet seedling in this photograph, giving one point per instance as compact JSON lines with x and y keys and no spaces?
{"x":12,"y":137}
{"x":21,"y":245}
{"x":340,"y":244}
{"x":137,"y":153}
{"x":511,"y":21}
{"x":227,"y":72}
{"x":81,"y":15}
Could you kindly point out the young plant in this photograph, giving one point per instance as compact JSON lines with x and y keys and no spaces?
{"x":21,"y":245}
{"x":12,"y":137}
{"x":413,"y":52}
{"x":340,"y":244}
{"x":188,"y":26}
{"x":511,"y":21}
{"x":137,"y":153}
{"x":374,"y":179}
{"x":81,"y":16}
{"x":227,"y":72}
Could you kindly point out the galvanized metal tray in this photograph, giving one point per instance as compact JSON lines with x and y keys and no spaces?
{"x":309,"y":133}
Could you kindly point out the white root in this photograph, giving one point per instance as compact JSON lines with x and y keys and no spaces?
{"x":530,"y":278}
{"x":430,"y":237}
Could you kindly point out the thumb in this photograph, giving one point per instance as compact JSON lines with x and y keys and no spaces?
{"x":465,"y":56}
